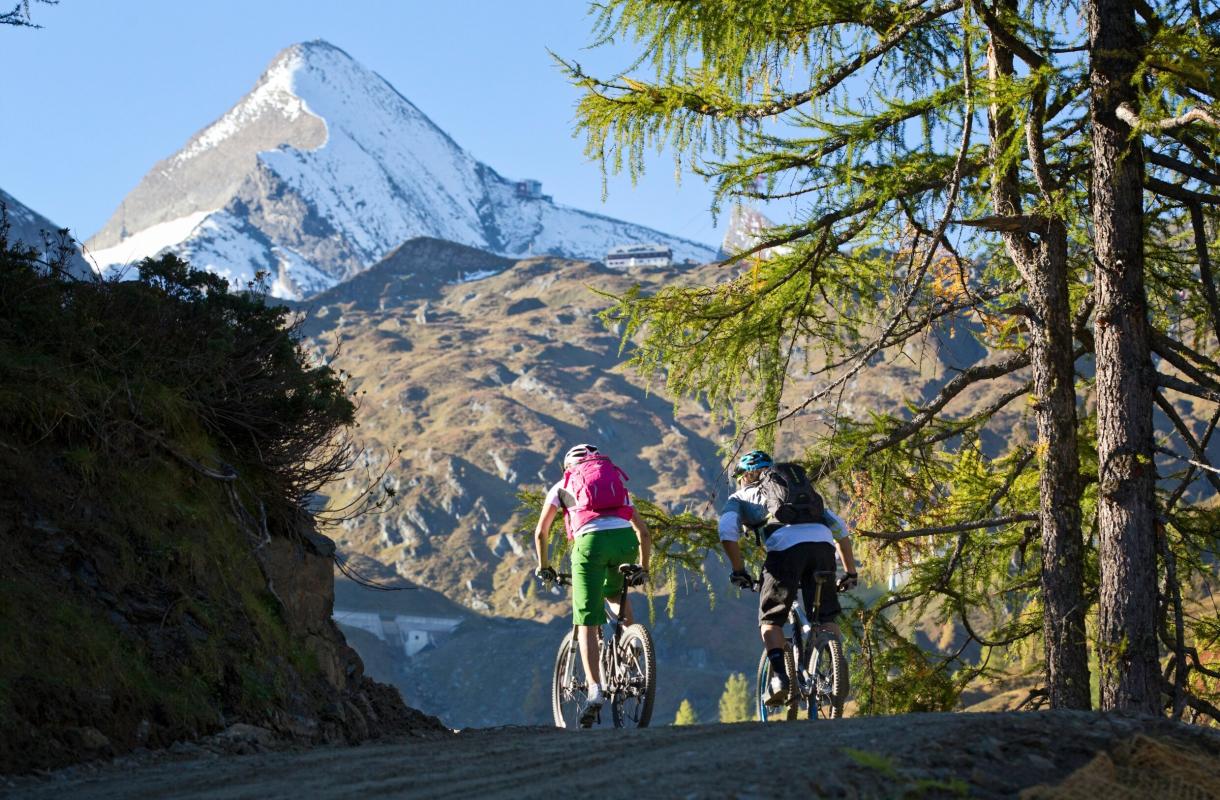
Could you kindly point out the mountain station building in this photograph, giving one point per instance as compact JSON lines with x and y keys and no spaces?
{"x":639,"y":255}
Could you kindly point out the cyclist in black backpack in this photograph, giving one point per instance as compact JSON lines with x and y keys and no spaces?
{"x":778,"y":502}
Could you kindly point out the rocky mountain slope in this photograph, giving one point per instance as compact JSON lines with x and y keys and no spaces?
{"x":483,"y":370}
{"x":324,"y":168}
{"x":34,"y":230}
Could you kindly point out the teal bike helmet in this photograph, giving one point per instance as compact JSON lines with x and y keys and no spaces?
{"x":755,"y":459}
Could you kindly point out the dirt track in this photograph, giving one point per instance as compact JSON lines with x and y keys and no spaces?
{"x":927,"y":755}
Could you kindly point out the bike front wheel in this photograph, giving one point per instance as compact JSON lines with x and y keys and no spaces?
{"x":830,"y":682}
{"x":762,"y":687}
{"x":568,"y":690}
{"x":635,"y":684}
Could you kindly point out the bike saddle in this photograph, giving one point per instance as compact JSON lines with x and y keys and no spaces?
{"x":824,"y":574}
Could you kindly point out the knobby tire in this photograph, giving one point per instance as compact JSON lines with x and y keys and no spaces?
{"x":638,"y":665}
{"x":830,"y":676}
{"x":763,"y":680}
{"x":568,"y":693}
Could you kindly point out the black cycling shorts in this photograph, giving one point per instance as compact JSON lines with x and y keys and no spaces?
{"x":785,"y":571}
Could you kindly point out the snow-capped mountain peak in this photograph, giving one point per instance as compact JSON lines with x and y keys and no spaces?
{"x":323,"y":169}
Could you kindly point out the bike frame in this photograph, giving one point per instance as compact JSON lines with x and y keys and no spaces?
{"x":609,"y":663}
{"x":608,"y":657}
{"x":805,"y":645}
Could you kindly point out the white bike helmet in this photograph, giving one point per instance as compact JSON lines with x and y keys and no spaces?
{"x":577,"y":453}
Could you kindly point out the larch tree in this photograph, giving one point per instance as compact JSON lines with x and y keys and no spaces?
{"x":735,"y":705}
{"x":935,"y":162}
{"x":1155,"y":80}
{"x":686,"y":714}
{"x":1129,"y":663}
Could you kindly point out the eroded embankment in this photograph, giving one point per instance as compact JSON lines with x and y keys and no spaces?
{"x":158,"y":580}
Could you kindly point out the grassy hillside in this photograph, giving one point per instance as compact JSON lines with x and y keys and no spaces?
{"x":159,"y":582}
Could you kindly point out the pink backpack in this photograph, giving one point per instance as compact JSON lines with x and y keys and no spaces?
{"x":600,"y":491}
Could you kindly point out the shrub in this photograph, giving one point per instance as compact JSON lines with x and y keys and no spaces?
{"x":171,"y":356}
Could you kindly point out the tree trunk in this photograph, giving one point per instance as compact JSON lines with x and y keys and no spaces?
{"x":1043,"y":268}
{"x":1130,"y":674}
{"x":1063,"y":624}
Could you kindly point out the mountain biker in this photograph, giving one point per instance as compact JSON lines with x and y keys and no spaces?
{"x":604,"y":539}
{"x":794,"y":553}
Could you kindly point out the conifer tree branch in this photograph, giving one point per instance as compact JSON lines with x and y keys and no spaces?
{"x":1009,"y":39}
{"x":1200,"y":151}
{"x":1187,"y":388}
{"x":826,"y":84}
{"x":978,"y":524}
{"x":1197,"y":114}
{"x":953,"y":184}
{"x":1195,"y":171}
{"x":1180,"y":193}
{"x":1209,"y":472}
{"x":1035,"y":145}
{"x":952,"y":389}
{"x":985,"y":414}
{"x":1196,"y":703}
{"x":1207,"y":278}
{"x":1176,"y":354}
{"x":1190,"y":475}
{"x":1020,"y":223}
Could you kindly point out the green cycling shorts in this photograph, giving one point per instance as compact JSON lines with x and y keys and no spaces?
{"x":596,"y":558}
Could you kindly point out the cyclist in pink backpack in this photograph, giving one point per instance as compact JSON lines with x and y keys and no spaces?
{"x":606,"y":533}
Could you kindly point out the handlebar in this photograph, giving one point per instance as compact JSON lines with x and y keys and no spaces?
{"x":820,"y":576}
{"x":626,"y":570}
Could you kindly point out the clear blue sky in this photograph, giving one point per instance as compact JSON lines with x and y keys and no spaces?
{"x":105,"y":89}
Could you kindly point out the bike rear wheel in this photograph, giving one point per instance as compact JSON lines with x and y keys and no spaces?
{"x":830,"y":680}
{"x":762,"y":686}
{"x":635,"y":684}
{"x":568,"y":689}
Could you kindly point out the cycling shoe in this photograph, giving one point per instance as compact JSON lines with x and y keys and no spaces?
{"x":779,"y":691}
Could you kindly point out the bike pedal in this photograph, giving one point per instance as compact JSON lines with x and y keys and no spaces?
{"x":591,"y":714}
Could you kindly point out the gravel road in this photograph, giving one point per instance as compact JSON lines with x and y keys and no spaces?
{"x":920,"y":755}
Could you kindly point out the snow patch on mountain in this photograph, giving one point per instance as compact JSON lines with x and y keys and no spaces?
{"x":322,"y":170}
{"x":150,"y":240}
{"x":273,"y":91}
{"x":478,"y":275}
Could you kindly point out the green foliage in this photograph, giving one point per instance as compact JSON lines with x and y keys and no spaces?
{"x":901,"y":787}
{"x":735,"y":703}
{"x":869,"y":760}
{"x":892,"y":675}
{"x":686,"y":714}
{"x":864,"y":122}
{"x":173,"y":354}
{"x":136,"y":418}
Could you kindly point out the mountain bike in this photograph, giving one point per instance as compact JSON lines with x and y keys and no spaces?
{"x":820,"y":686}
{"x":628,"y":668}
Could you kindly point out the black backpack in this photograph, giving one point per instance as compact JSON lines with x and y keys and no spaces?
{"x":789,"y":496}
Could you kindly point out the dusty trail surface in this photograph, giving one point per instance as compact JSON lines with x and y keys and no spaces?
{"x":924,"y":755}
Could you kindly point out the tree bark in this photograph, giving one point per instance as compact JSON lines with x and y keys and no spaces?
{"x":1042,"y":263}
{"x":1064,"y":607}
{"x":1127,"y":645}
